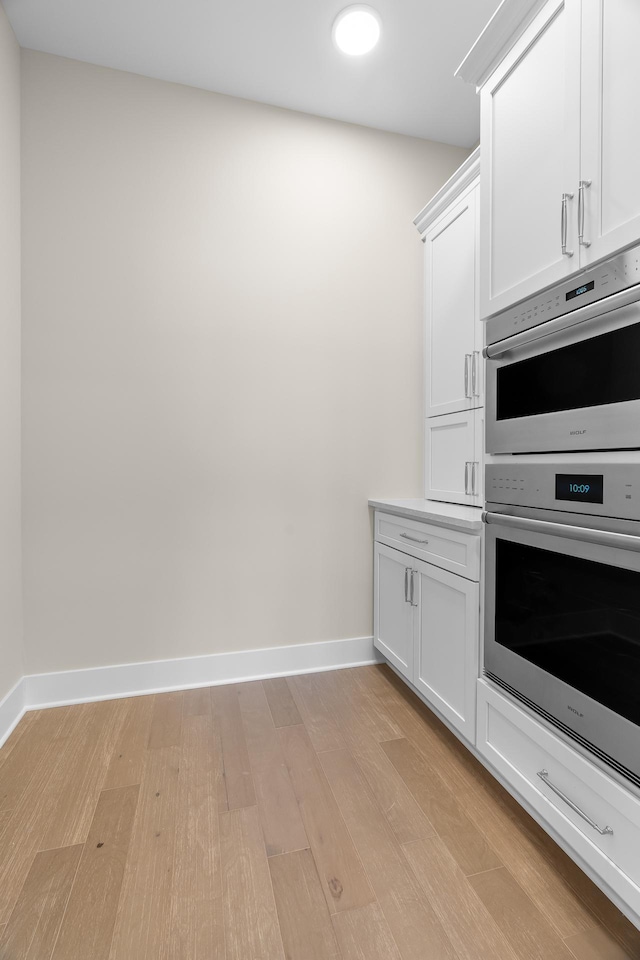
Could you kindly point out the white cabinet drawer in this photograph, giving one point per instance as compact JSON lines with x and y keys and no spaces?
{"x":520,"y":747}
{"x":449,"y":549}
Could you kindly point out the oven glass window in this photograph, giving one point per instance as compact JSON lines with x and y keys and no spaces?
{"x":590,"y":373}
{"x":577,"y":619}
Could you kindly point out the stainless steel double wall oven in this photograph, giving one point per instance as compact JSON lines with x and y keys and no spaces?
{"x":562,"y":604}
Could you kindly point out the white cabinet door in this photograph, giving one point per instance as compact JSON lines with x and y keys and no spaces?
{"x":393,"y":610}
{"x":453,"y":457}
{"x":452,"y":339}
{"x":530,"y":123}
{"x":610,"y":131}
{"x":446,"y":668}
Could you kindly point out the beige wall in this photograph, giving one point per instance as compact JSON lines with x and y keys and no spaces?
{"x":11,"y":661}
{"x":222,"y":356}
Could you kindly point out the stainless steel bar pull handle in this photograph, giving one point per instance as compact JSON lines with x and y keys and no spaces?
{"x":413,"y":572}
{"x":467,"y":358}
{"x":591,"y":315}
{"x":474,"y":491}
{"x":407,"y":536}
{"x":581,"y":239}
{"x":466,"y":476}
{"x":601,"y":538}
{"x":603,"y":831}
{"x":406,"y":584}
{"x":474,"y":373}
{"x":564,"y":225}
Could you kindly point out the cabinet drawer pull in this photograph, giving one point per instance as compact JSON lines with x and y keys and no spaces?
{"x":406,"y":584}
{"x":466,"y":477}
{"x":603,"y":831}
{"x":412,"y":589}
{"x":581,"y":239}
{"x":474,"y":464}
{"x":467,"y":359}
{"x":564,"y":224}
{"x":406,"y":536}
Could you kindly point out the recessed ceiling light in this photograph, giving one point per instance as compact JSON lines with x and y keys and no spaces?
{"x":356,"y":30}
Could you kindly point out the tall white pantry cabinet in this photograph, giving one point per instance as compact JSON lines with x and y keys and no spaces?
{"x":559,"y":192}
{"x":427,"y":562}
{"x":454,"y":387}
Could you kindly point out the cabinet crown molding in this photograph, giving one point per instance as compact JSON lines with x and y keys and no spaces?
{"x":466,"y":173}
{"x":505,"y":27}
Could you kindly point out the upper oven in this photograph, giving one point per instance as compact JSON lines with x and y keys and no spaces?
{"x":568,"y":384}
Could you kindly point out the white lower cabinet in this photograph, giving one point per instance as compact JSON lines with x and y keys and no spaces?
{"x":597,"y":817}
{"x":446,"y":667}
{"x":426,"y":622}
{"x":453,"y":457}
{"x":394,"y":620}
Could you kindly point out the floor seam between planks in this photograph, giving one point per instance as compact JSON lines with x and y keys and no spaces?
{"x":286,"y":853}
{"x":64,"y":912}
{"x":122,"y":786}
{"x":479,"y":873}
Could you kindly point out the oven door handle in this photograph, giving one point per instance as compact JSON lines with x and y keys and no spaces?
{"x":602,"y":538}
{"x":548,"y":328}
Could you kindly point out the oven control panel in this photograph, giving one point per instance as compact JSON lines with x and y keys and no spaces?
{"x":603,"y":490}
{"x":619,"y":273}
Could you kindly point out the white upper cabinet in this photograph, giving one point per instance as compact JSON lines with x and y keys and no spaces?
{"x":560,"y":189}
{"x":453,"y":457}
{"x":530,"y":135}
{"x":453,"y":334}
{"x":610,"y":131}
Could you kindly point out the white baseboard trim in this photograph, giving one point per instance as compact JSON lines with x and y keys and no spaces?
{"x":159,"y":676}
{"x":39,"y":691}
{"x":12,"y":707}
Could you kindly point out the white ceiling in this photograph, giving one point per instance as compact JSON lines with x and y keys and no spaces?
{"x":281,"y":52}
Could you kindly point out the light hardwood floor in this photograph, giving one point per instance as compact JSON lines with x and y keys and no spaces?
{"x":324,"y":817}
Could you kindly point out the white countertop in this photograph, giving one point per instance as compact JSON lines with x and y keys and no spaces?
{"x":451,"y":515}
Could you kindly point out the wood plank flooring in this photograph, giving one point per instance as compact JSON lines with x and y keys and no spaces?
{"x":324,"y":817}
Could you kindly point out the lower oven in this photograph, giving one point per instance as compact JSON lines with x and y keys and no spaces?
{"x":562,"y":602}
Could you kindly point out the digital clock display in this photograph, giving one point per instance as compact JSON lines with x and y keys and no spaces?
{"x":580,"y":290}
{"x":580,"y":487}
